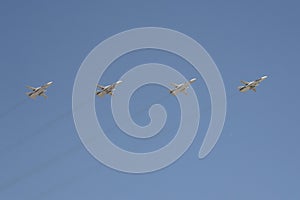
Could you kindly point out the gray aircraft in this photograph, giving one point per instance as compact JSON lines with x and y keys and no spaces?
{"x":181,"y":87}
{"x":107,"y":89}
{"x":39,"y":91}
{"x":251,"y":85}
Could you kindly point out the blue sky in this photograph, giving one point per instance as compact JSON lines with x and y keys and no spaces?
{"x":257,"y":156}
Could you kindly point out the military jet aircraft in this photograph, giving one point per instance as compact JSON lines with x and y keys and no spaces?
{"x":181,"y":87}
{"x":107,"y":89}
{"x":39,"y":91}
{"x":251,"y":85}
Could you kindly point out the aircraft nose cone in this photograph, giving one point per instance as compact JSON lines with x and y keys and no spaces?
{"x":264,"y":77}
{"x":118,"y":82}
{"x":192,"y":80}
{"x":50,"y":83}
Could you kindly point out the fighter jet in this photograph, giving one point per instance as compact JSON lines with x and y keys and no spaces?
{"x":181,"y":87}
{"x":39,"y":91}
{"x":251,"y":85}
{"x":107,"y":89}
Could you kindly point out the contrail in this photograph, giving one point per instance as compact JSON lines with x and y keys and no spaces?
{"x":61,"y":156}
{"x":71,"y":180}
{"x":70,"y":151}
{"x":40,"y":130}
{"x":12,"y":108}
{"x":54,"y":188}
{"x":38,"y":168}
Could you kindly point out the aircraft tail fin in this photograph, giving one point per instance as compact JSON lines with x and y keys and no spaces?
{"x":172,"y":92}
{"x":242,"y":88}
{"x":29,"y":94}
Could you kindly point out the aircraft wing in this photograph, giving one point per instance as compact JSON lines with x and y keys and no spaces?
{"x":44,"y":95}
{"x":245,"y":82}
{"x":31,"y":88}
{"x":101,"y":87}
{"x":175,"y":85}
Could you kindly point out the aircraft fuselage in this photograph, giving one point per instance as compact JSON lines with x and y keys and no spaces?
{"x":251,"y":85}
{"x":107,"y":89}
{"x":39,"y":91}
{"x":182,"y":87}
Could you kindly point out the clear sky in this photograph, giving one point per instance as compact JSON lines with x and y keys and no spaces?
{"x":257,"y":155}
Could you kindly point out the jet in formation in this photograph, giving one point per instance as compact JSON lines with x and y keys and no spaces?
{"x":39,"y":91}
{"x":251,"y":85}
{"x":181,"y":87}
{"x":107,"y":89}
